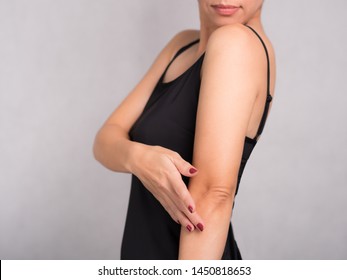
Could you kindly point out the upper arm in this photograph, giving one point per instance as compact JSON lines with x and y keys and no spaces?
{"x":229,"y":86}
{"x":132,"y":106}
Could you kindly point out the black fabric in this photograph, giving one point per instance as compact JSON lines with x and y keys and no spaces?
{"x":168,"y":120}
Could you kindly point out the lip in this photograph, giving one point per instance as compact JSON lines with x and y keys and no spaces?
{"x":225,"y":10}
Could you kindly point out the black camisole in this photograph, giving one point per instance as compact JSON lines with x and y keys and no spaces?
{"x":168,"y":120}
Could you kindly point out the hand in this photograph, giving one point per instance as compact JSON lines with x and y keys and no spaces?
{"x":160,"y":169}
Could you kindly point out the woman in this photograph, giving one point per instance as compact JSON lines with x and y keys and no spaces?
{"x":185,"y":133}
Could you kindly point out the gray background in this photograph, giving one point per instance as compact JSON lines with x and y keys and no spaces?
{"x":65,"y":65}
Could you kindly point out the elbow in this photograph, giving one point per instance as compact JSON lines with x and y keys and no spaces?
{"x":216,"y":202}
{"x":222,"y":194}
{"x":218,"y":195}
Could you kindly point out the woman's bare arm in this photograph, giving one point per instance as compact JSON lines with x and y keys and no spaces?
{"x":158,"y":168}
{"x":112,"y":147}
{"x":233,"y":73}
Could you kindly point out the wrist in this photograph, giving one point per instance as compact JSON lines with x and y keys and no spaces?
{"x":134,"y":153}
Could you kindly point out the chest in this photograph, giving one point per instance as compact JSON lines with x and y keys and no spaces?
{"x":169,"y":116}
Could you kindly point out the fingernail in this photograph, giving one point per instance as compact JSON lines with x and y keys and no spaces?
{"x":200,"y":226}
{"x":189,"y":228}
{"x":192,"y":170}
{"x":190,"y":208}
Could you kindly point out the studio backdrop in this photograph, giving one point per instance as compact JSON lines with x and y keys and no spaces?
{"x":66,"y":65}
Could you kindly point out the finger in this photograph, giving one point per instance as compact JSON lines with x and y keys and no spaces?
{"x":182,"y":220}
{"x":184,"y":198}
{"x":183,"y":195}
{"x":178,"y":216}
{"x":171,"y":206}
{"x":171,"y":209}
{"x":184,"y":167}
{"x":196,"y":220}
{"x":193,"y":218}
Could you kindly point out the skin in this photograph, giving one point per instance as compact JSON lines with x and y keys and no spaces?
{"x":233,"y":91}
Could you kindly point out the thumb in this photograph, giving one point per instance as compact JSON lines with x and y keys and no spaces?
{"x":184,"y":167}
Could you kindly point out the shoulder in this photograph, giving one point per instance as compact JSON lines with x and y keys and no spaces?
{"x":232,"y":33}
{"x":234,"y":39}
{"x":235,"y":56}
{"x":185,"y":36}
{"x":235,"y":47}
{"x":176,"y":42}
{"x":182,"y":38}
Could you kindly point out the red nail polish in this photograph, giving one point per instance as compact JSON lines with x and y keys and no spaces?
{"x":200,"y":226}
{"x":189,"y":228}
{"x":192,"y":170}
{"x":190,"y":208}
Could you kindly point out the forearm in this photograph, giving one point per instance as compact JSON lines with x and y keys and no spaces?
{"x":215,"y":210}
{"x":114,"y":150}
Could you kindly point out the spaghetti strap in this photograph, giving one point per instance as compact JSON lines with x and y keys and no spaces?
{"x":269,"y":96}
{"x":181,"y":50}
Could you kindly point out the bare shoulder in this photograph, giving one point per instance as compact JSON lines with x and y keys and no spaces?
{"x":239,"y":44}
{"x":133,"y":104}
{"x":186,"y":36}
{"x":182,"y":38}
{"x":234,"y":39}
